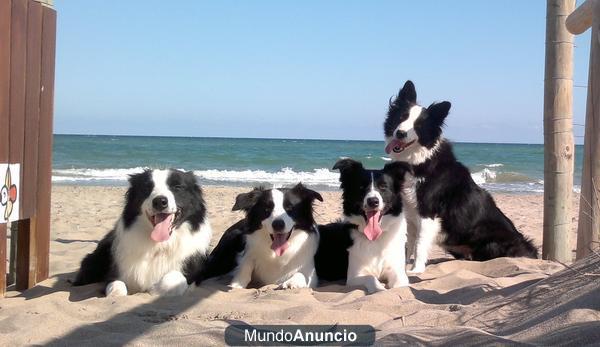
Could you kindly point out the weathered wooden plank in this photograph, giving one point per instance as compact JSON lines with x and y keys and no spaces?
{"x":18,"y":51}
{"x":45,"y":142}
{"x":558,"y":132}
{"x":32,"y":109}
{"x":581,"y":19}
{"x":588,"y":229}
{"x":26,"y":255}
{"x":5,"y":9}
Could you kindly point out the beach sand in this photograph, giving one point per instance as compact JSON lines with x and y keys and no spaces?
{"x":453,"y":302}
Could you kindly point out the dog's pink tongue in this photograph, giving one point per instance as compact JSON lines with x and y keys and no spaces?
{"x":162,"y":227}
{"x":373,"y":230}
{"x":391,"y":145}
{"x":280,"y":243}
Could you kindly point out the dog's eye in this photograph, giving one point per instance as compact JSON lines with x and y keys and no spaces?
{"x":179,"y":187}
{"x":383,"y":185}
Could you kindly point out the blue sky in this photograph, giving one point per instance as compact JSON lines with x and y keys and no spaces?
{"x":302,"y":69}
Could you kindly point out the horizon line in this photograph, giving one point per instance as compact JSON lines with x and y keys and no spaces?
{"x":283,"y":138}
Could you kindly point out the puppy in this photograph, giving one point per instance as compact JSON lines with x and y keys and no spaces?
{"x":369,"y":247}
{"x":441,"y":200}
{"x":160,"y":242}
{"x":274,"y":244}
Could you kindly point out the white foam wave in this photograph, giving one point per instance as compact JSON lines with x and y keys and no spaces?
{"x":483,"y":176}
{"x":323,"y":177}
{"x":494,"y":165}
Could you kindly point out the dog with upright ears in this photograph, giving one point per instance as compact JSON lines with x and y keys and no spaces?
{"x":160,"y":242}
{"x":369,"y":246}
{"x":274,"y":244}
{"x":441,"y":200}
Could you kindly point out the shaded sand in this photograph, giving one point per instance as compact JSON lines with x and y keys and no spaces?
{"x":517,"y":301}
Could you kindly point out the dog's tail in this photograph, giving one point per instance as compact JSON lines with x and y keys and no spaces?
{"x":98,"y":265}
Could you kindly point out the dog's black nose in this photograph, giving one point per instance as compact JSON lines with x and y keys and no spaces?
{"x":160,"y":202}
{"x":278,"y":225}
{"x":401,"y":134}
{"x":373,"y":202}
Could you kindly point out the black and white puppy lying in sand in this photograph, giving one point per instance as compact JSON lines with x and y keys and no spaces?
{"x":160,"y":242}
{"x":441,"y":200}
{"x":274,"y":244}
{"x":370,"y":247}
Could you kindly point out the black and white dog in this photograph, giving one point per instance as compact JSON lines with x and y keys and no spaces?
{"x":441,"y":199}
{"x":374,"y":244}
{"x":160,"y":242}
{"x":274,"y":244}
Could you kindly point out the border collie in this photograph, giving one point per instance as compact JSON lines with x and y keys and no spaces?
{"x":160,"y":242}
{"x":441,"y":199}
{"x":374,"y":236}
{"x":274,"y":244}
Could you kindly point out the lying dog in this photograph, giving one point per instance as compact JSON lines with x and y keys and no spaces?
{"x":160,"y":242}
{"x":440,"y":197}
{"x":369,"y":248}
{"x":274,"y":244}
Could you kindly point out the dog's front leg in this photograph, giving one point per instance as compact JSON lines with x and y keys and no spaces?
{"x":411,"y":236}
{"x":428,"y":231}
{"x":173,"y":283}
{"x":243,"y":274}
{"x":370,"y":283}
{"x":298,"y":280}
{"x":116,"y":288}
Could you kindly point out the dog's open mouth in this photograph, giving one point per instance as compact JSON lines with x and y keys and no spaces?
{"x":162,"y":225}
{"x":373,"y":229}
{"x":280,"y":242}
{"x":397,"y":146}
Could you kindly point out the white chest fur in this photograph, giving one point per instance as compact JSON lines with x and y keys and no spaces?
{"x":382,"y":257}
{"x":268,"y":268}
{"x":141,"y":262}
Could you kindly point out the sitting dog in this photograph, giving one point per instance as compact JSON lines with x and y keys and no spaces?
{"x":274,"y":244}
{"x":441,"y":200}
{"x":160,"y":242}
{"x":368,"y":247}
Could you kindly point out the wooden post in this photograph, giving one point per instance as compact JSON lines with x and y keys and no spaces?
{"x":558,"y":132}
{"x":4,"y":117}
{"x":588,"y":232}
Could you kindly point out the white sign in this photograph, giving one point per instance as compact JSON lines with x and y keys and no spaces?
{"x":9,"y":192}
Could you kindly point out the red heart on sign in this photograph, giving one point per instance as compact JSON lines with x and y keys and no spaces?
{"x":12,"y":193}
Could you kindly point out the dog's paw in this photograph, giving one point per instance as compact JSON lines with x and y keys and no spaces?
{"x":378,"y":287}
{"x":416,"y":270}
{"x":116,"y":288}
{"x":236,"y":285}
{"x":296,"y":281}
{"x":173,"y":283}
{"x":401,"y":281}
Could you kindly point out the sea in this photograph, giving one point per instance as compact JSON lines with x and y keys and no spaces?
{"x":108,"y":160}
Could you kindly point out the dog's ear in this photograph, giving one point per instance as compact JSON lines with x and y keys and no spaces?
{"x":347,"y":164}
{"x":192,"y":180}
{"x":246,"y":201}
{"x":439,"y":111}
{"x":311,"y":194}
{"x":348,"y":168}
{"x":408,"y":92}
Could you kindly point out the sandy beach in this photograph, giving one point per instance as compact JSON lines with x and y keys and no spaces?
{"x":454,"y":302}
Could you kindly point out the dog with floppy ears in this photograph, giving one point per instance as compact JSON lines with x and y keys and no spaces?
{"x":159,"y":243}
{"x":368,"y":247}
{"x":274,"y":244}
{"x":441,"y":200}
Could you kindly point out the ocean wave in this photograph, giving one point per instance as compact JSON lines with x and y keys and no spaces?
{"x":490,"y":179}
{"x":321,"y":177}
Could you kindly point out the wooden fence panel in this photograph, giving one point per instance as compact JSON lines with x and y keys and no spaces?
{"x":18,"y":51}
{"x":4,"y":117}
{"x":44,"y":185}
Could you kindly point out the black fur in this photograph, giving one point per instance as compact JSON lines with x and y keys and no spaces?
{"x":99,"y":266}
{"x":469,"y":214}
{"x":473,"y":225}
{"x":331,"y":259}
{"x":258,"y":206}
